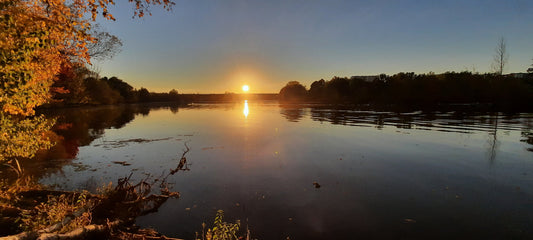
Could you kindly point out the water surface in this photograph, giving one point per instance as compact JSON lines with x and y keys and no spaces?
{"x":382,"y":175}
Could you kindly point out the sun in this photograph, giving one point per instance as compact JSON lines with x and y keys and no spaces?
{"x":245,"y":88}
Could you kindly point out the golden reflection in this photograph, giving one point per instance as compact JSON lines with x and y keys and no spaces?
{"x":245,"y":111}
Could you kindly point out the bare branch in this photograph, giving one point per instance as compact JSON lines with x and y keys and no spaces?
{"x":500,"y":57}
{"x":105,"y":45}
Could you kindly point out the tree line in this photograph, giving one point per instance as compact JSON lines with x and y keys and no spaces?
{"x":80,"y":86}
{"x":408,"y":88}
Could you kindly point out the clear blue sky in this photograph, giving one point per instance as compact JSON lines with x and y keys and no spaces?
{"x":218,"y":45}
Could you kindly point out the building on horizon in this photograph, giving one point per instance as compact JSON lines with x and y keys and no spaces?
{"x":369,"y":78}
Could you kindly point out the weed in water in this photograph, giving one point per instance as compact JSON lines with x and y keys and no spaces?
{"x":221,"y":230}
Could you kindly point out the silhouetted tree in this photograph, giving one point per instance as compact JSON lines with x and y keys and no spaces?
{"x":428,"y":90}
{"x":125,"y":90}
{"x":500,"y":56}
{"x":173,"y":95}
{"x":100,"y":92}
{"x":144,"y":95}
{"x":317,"y":90}
{"x":337,"y":88}
{"x":382,"y":77}
{"x":293,"y":91}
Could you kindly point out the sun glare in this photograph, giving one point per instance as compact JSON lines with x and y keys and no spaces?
{"x":245,"y":111}
{"x":245,"y":88}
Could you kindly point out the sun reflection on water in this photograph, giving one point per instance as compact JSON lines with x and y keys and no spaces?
{"x":245,"y":111}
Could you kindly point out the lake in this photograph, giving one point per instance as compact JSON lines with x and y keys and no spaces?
{"x":381,"y":174}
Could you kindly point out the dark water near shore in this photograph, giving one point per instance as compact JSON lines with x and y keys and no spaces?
{"x":383,"y":175}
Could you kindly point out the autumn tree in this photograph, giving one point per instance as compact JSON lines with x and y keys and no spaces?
{"x":69,"y":86}
{"x":22,"y":138}
{"x":39,"y":36}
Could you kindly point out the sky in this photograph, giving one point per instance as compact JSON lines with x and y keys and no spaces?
{"x":216,"y":46}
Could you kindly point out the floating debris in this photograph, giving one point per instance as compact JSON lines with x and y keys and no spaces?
{"x":123,"y":143}
{"x":123,"y":163}
{"x":211,"y":148}
{"x":316,"y":185}
{"x":408,"y":221}
{"x":79,"y":167}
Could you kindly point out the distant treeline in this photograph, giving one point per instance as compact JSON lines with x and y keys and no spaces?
{"x":79,"y":86}
{"x":418,"y":90}
{"x":227,"y":97}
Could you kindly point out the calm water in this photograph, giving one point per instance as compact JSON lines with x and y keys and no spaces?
{"x":384,"y":175}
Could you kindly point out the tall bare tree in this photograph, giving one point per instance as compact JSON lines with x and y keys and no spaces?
{"x":500,"y":57}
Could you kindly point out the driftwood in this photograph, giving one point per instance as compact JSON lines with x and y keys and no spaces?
{"x":22,"y":236}
{"x":79,"y":233}
{"x":142,"y":234}
{"x":82,"y":232}
{"x":136,"y":199}
{"x":123,"y":204}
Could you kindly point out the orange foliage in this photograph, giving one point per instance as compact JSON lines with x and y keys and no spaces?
{"x":38,"y":37}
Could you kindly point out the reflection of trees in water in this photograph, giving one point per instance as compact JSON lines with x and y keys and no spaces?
{"x":350,"y":117}
{"x":527,"y":137}
{"x":174,"y":109}
{"x":293,"y":113}
{"x":77,"y":127}
{"x":493,"y":141}
{"x":527,"y":134}
{"x":452,"y":121}
{"x":87,"y":124}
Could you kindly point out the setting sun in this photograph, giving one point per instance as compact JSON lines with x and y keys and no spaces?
{"x":245,"y":88}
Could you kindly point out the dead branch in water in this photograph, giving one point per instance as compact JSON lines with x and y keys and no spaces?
{"x":182,"y":163}
{"x":111,"y":215}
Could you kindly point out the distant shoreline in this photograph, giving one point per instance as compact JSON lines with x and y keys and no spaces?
{"x":227,"y":97}
{"x":221,"y":99}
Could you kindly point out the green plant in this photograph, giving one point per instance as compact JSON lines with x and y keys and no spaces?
{"x":222,"y":230}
